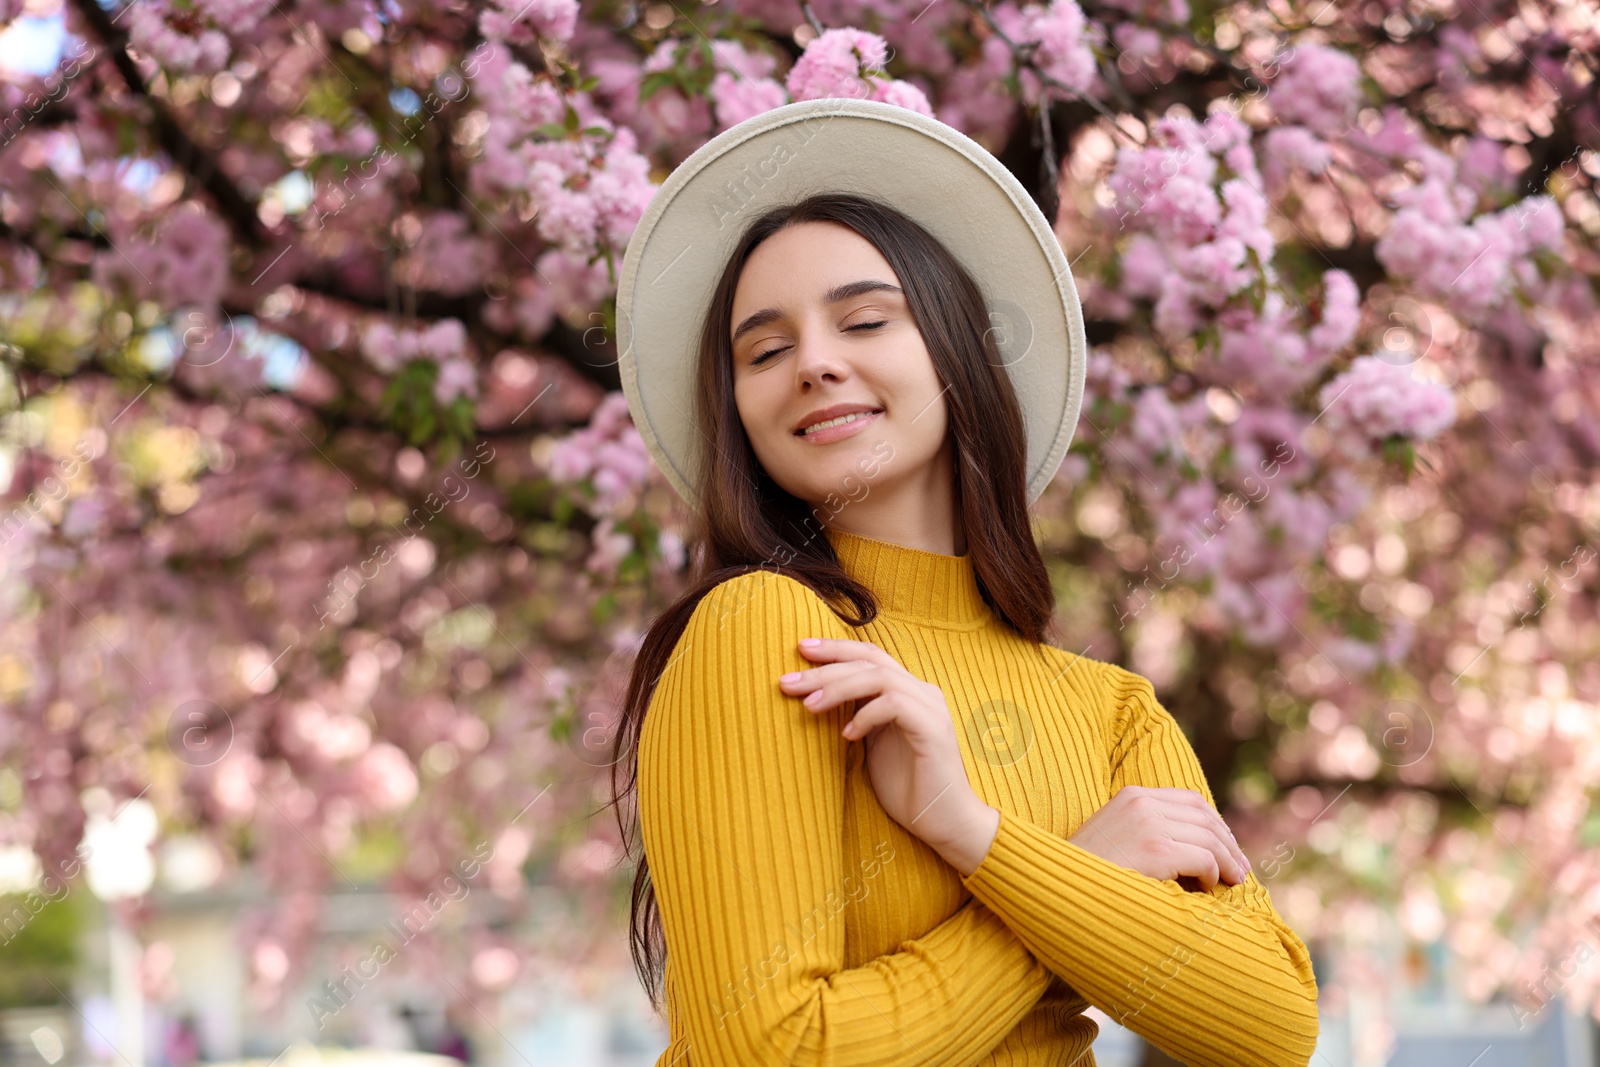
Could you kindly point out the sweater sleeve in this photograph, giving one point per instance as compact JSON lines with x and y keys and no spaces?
{"x":1211,"y":978}
{"x":741,"y":805}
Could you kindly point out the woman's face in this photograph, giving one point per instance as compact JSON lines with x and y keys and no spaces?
{"x":796,"y":351}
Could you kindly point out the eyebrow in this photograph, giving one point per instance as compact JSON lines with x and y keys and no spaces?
{"x":837,"y":294}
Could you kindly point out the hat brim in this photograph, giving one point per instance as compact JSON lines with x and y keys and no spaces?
{"x":947,"y":182}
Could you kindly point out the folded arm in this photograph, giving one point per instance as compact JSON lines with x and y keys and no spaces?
{"x":1212,"y":978}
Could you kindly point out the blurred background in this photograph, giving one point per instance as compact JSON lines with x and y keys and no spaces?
{"x":327,"y":539}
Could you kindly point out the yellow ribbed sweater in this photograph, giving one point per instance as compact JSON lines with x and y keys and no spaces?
{"x":804,"y":926}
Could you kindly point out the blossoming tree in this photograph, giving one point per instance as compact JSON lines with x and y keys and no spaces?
{"x":327,"y":528}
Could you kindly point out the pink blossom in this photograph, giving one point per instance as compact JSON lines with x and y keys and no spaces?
{"x":1138,"y":43}
{"x":610,"y":453}
{"x":237,"y":16}
{"x":1353,"y":657}
{"x":1378,"y":399}
{"x":1144,"y":266}
{"x":1302,"y":519}
{"x":621,"y":189}
{"x":1141,"y":173}
{"x":670,"y":547}
{"x":833,"y":62}
{"x":387,"y":348}
{"x":1415,"y":244}
{"x":151,"y":33}
{"x":1292,"y":146}
{"x":84,"y":517}
{"x":1185,"y":210}
{"x":567,"y":218}
{"x":456,"y":378}
{"x":1320,"y":87}
{"x":901,"y":94}
{"x":1247,"y":217}
{"x":444,"y":339}
{"x":575,"y":285}
{"x":738,"y":99}
{"x":1482,"y":166}
{"x":1397,"y":136}
{"x":528,"y":309}
{"x":1104,"y":376}
{"x":1540,"y":225}
{"x":1225,"y":132}
{"x":1485,"y":280}
{"x":1260,"y":607}
{"x":664,"y":56}
{"x":382,"y":347}
{"x":922,"y":40}
{"x":975,"y":100}
{"x":1190,"y":517}
{"x":1192,"y":139}
{"x":531,"y":100}
{"x":1266,"y":442}
{"x":730,"y":57}
{"x":1216,"y":270}
{"x":1063,"y":54}
{"x":1175,"y":312}
{"x":1241,"y":159}
{"x":448,"y":257}
{"x":385,"y":777}
{"x":186,"y":263}
{"x":1457,"y":54}
{"x":1341,"y":313}
{"x":1171,"y":12}
{"x":1269,"y":354}
{"x":219,"y":361}
{"x":552,"y":20}
{"x":1155,"y":428}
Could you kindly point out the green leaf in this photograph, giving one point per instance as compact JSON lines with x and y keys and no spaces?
{"x":450,"y":451}
{"x":422,"y":429}
{"x":654,"y":82}
{"x":391,"y":396}
{"x":461,"y":416}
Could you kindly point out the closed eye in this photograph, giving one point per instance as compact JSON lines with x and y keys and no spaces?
{"x":774,"y":351}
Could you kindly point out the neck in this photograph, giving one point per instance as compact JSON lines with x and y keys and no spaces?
{"x":919,"y":511}
{"x":912,"y":582}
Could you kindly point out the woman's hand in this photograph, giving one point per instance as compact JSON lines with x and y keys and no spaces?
{"x":913,"y":757}
{"x":1164,"y":833}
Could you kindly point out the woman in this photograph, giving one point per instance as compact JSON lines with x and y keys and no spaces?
{"x":930,"y":836}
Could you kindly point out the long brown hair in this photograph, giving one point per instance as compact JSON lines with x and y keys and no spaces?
{"x":743,"y":521}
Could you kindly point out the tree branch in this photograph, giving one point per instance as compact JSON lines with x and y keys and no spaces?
{"x":173,"y":138}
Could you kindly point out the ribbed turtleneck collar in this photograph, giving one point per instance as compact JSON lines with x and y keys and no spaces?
{"x":927,"y":586}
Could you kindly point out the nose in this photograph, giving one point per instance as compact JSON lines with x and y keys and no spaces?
{"x":819,"y":356}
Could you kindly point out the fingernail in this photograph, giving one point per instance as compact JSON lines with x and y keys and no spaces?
{"x":793,"y":676}
{"x":809,"y":641}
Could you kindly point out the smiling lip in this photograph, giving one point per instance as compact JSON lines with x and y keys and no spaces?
{"x":843,"y":430}
{"x":833,"y":411}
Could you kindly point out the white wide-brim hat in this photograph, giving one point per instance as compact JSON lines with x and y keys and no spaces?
{"x":947,"y":182}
